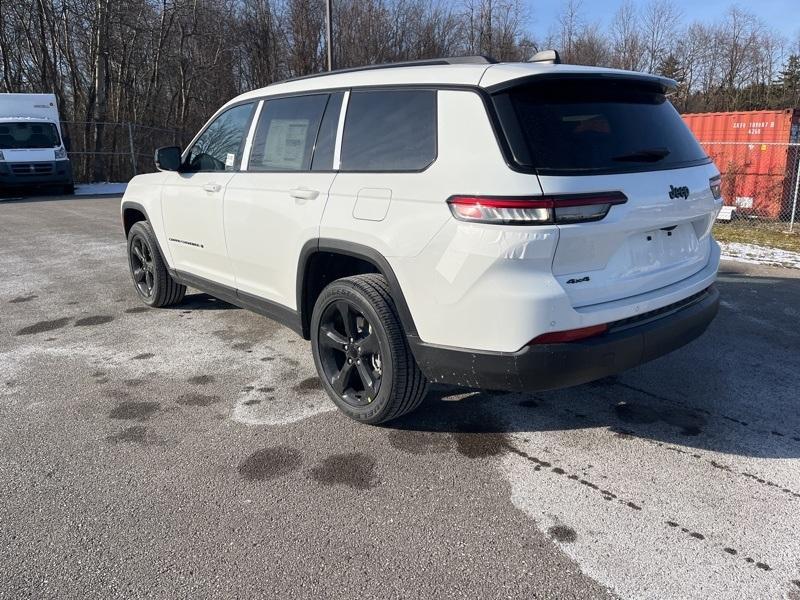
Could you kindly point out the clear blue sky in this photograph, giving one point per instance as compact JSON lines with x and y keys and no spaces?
{"x":782,"y":15}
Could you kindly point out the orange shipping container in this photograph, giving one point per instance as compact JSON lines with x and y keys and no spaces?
{"x":751,"y":150}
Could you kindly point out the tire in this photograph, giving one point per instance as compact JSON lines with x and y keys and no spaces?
{"x":154,"y":284}
{"x":69,"y":190}
{"x":378,"y":337}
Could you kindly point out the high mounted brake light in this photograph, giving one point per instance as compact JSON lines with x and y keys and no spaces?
{"x":536,"y":210}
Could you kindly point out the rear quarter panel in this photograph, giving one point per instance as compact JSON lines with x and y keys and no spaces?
{"x":453,"y":274}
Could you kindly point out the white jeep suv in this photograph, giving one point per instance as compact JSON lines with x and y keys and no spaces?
{"x":492,"y":225}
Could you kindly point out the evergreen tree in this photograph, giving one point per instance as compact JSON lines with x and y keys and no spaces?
{"x":670,"y":67}
{"x":789,"y":82}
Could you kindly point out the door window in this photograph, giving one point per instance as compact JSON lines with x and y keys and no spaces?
{"x":389,"y":130}
{"x":286,"y":133}
{"x":219,"y":147}
{"x":326,"y":140}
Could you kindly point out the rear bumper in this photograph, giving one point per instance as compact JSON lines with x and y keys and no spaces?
{"x":550,"y":366}
{"x":18,"y":175}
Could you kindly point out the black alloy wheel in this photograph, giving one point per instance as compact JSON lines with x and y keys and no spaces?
{"x":142,"y":268}
{"x":350,"y":353}
{"x":150,"y":275}
{"x":361,"y":352}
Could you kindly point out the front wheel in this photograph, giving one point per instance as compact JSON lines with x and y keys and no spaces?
{"x":153,"y":283}
{"x":361,"y":353}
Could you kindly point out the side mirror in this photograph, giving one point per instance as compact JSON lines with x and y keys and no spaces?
{"x":67,"y":143}
{"x":168,"y":158}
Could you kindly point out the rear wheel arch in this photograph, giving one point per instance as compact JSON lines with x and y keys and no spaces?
{"x":325,"y":260}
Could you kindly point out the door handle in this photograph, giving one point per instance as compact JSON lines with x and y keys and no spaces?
{"x":212,"y":187}
{"x":301,"y":193}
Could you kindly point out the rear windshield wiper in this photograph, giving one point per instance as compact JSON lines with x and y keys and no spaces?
{"x":645,"y":155}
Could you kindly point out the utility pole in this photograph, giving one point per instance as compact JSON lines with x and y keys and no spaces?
{"x":328,"y":10}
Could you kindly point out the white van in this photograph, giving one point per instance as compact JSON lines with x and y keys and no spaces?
{"x":32,"y":151}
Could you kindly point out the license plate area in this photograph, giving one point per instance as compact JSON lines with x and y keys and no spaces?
{"x":663,"y":247}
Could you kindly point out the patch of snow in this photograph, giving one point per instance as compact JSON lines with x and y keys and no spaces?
{"x":99,"y":189}
{"x":760,"y":255}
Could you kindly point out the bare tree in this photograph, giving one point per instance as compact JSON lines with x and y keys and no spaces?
{"x":627,"y":38}
{"x":660,"y":21}
{"x":570,"y":23}
{"x":591,"y":47}
{"x":171,"y":63}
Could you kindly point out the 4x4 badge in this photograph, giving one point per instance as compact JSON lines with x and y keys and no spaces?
{"x":581,"y":280}
{"x":678,"y":192}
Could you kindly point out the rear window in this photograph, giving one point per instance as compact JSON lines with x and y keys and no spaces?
{"x":17,"y":136}
{"x":585,"y":126}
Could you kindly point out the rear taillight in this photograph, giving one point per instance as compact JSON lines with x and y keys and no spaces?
{"x":571,"y":335}
{"x":500,"y":210}
{"x":716,"y":186}
{"x":537,"y":210}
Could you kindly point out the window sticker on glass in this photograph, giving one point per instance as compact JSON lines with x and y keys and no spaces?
{"x":230,"y":158}
{"x":286,"y":141}
{"x":286,"y":132}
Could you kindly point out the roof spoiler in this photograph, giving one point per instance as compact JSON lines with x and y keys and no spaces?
{"x":666,"y":85}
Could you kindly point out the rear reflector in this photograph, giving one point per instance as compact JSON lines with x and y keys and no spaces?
{"x":571,"y":335}
{"x":537,"y":210}
{"x":716,"y":186}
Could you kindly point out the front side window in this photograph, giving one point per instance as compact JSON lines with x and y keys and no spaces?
{"x":219,"y":147}
{"x":286,"y":133}
{"x":389,"y":130}
{"x":19,"y":136}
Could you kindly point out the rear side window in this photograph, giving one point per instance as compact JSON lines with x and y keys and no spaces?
{"x":286,"y":132}
{"x":389,"y":130}
{"x":586,"y":126}
{"x":326,"y":140}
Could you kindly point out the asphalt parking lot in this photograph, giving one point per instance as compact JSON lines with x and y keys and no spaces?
{"x":190,"y":452}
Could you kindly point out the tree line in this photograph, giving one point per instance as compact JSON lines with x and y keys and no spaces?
{"x":171,"y":63}
{"x":734,"y":63}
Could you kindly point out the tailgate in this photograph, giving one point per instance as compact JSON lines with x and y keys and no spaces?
{"x":660,"y":236}
{"x":609,"y":133}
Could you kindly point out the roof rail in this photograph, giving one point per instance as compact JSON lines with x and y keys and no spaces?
{"x":478,"y":59}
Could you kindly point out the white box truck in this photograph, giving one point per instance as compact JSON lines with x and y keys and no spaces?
{"x":32,"y":150}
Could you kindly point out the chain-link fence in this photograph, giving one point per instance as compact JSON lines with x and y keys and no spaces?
{"x":759,"y":181}
{"x":106,"y":151}
{"x":761,"y":189}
